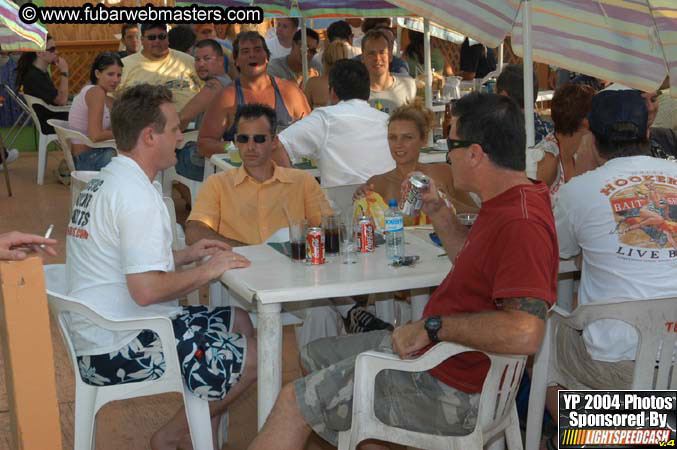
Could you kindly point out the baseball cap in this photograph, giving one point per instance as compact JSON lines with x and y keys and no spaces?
{"x":150,"y":26}
{"x":619,"y":116}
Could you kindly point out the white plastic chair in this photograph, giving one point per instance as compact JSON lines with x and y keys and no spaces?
{"x":44,"y":139}
{"x":170,"y":176}
{"x":66,"y":135}
{"x":648,"y":317}
{"x":89,"y":399}
{"x":497,"y":411}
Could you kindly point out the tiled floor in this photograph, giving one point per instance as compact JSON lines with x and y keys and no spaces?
{"x":125,"y":424}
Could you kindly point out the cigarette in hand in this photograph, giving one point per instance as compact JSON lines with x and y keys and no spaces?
{"x":48,"y":233}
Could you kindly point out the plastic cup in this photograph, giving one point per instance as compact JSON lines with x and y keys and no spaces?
{"x":297,"y":240}
{"x":347,"y":243}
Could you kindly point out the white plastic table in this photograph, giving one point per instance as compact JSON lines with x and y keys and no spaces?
{"x":273,"y":279}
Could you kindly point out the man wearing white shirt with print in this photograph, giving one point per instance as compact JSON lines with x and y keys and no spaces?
{"x":621,"y":216}
{"x":119,"y":261}
{"x":347,"y":139}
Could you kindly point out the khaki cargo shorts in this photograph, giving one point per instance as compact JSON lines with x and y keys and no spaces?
{"x":574,"y":368}
{"x":414,"y":401}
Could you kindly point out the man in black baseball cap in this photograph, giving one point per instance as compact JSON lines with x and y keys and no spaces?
{"x":621,"y":218}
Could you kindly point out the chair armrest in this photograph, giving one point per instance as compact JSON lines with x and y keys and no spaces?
{"x":189,"y":136}
{"x":105,"y":144}
{"x":373,"y":362}
{"x":54,"y":108}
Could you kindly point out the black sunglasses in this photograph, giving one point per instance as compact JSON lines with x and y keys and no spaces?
{"x":453,"y":144}
{"x":244,"y":138}
{"x":152,"y":37}
{"x":51,"y":49}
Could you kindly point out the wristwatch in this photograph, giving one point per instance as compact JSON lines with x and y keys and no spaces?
{"x":64,"y":74}
{"x":432,"y":325}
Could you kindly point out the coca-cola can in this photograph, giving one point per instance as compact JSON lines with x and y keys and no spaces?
{"x":314,"y":246}
{"x":413,"y":195}
{"x":365,"y":235}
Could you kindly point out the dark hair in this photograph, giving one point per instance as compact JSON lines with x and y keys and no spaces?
{"x":415,"y":47}
{"x":151,"y":25}
{"x":211,"y":43}
{"x":511,"y":80}
{"x":181,"y":38}
{"x":102,"y":61}
{"x":137,"y":108}
{"x":610,"y":148}
{"x":571,"y":103}
{"x":250,"y":111}
{"x":249,"y":36}
{"x":371,"y":23}
{"x":127,"y":26}
{"x":372,"y":35}
{"x":495,"y":122}
{"x":310,"y":33}
{"x":339,"y":30}
{"x":349,"y":79}
{"x":24,"y":63}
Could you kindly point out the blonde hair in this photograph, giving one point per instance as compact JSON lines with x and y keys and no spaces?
{"x":416,"y":112}
{"x":332,"y":53}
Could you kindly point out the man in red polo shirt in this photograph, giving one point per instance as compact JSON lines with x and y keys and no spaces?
{"x":495,"y":299}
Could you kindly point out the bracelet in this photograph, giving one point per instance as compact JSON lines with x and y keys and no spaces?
{"x":64,"y":74}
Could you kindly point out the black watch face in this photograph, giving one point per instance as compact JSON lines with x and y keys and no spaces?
{"x":433,"y":323}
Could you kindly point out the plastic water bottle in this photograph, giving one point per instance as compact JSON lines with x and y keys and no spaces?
{"x":394,"y":228}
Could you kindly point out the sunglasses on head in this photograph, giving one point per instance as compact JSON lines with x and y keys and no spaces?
{"x":244,"y":138}
{"x":152,"y":37}
{"x":51,"y":50}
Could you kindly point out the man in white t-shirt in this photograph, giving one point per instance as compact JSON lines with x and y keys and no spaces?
{"x":159,"y":65}
{"x":120,"y":263}
{"x":280,"y":44}
{"x":621,"y":217}
{"x":387,"y":91}
{"x":347,"y":139}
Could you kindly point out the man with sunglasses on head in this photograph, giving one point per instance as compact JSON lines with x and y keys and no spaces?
{"x":253,"y":86}
{"x":290,"y":67}
{"x":246,"y":205}
{"x":495,"y":298}
{"x":157,"y":64}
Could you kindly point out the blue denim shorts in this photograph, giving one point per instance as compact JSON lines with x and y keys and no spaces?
{"x":94,"y":158}
{"x":189,"y":162}
{"x":211,"y":357}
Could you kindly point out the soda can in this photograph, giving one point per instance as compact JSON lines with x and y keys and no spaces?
{"x":413,"y":196}
{"x":315,"y":245}
{"x":365,"y":235}
{"x":491,"y":86}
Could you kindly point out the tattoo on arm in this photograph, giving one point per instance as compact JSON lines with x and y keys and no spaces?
{"x":533,"y":306}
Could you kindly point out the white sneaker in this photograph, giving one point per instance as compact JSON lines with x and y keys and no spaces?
{"x":12,"y":156}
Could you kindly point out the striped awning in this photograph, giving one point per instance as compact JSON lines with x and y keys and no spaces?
{"x":312,"y":8}
{"x":633,"y":42}
{"x":16,"y":35}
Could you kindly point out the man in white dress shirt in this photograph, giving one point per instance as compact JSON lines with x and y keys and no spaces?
{"x":347,"y":139}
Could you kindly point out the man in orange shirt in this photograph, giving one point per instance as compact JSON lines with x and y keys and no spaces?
{"x":246,"y":205}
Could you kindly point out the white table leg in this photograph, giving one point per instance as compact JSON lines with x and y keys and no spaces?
{"x":419,"y":298}
{"x":269,"y":358}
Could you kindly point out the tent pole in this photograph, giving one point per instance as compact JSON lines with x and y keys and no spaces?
{"x":304,"y":52}
{"x":528,"y":67}
{"x":428,"y":71}
{"x":500,"y":58}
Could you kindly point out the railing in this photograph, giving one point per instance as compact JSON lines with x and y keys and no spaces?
{"x":80,"y":55}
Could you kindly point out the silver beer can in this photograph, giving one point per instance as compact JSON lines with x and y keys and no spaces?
{"x":412,"y":200}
